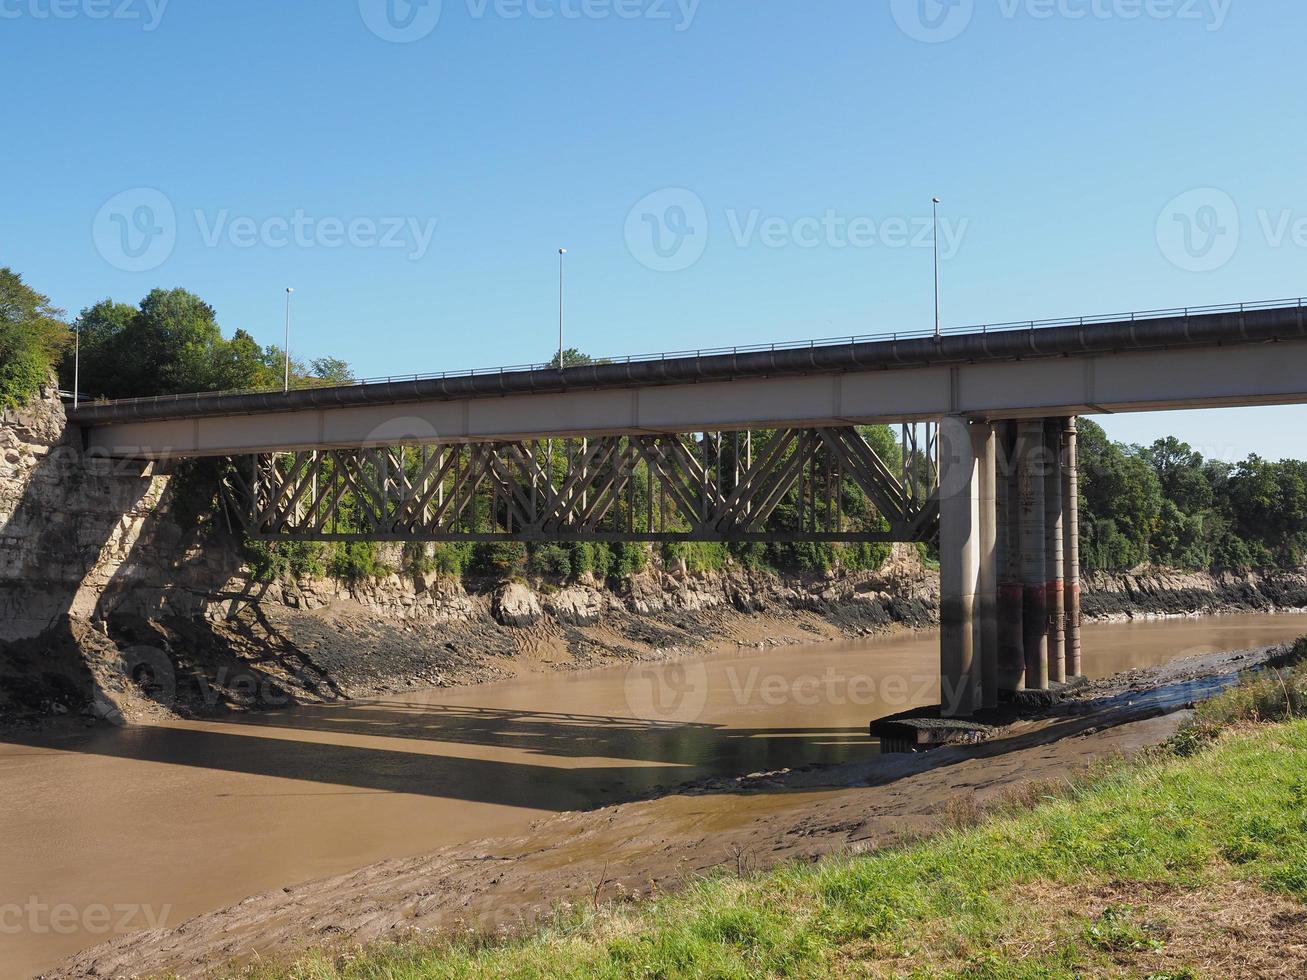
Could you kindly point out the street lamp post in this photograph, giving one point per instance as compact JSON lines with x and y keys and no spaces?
{"x":934,"y":203}
{"x":286,"y":382}
{"x":561,"y":252}
{"x":77,"y":362}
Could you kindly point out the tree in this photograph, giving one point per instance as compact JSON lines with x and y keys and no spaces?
{"x":32,"y":339}
{"x":573,"y":358}
{"x":172,"y":344}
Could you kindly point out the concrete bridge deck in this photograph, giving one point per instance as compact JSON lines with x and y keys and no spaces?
{"x":1251,"y":354}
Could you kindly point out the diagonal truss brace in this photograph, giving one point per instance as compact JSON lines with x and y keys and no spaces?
{"x":799,"y":485}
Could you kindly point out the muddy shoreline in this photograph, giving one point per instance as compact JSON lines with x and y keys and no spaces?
{"x":501,"y":886}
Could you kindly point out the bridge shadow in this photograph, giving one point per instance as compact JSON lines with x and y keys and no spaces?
{"x":490,"y":761}
{"x":94,"y":568}
{"x":69,"y":511}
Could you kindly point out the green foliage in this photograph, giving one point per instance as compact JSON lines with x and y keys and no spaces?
{"x":172,"y":344}
{"x":447,"y":559}
{"x":629,"y":558}
{"x":699,"y":556}
{"x":284,"y":560}
{"x":33,"y":336}
{"x":498,"y":559}
{"x":1277,"y":692}
{"x":590,"y":558}
{"x":551,"y":561}
{"x":357,"y":561}
{"x":1166,"y":504}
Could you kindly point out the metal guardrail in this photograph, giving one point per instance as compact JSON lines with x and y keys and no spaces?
{"x":982,"y":328}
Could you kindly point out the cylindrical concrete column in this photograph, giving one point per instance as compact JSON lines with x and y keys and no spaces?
{"x":984,"y":441}
{"x":1053,"y":535}
{"x":959,"y":568}
{"x":1011,"y":647}
{"x":1071,"y":544}
{"x":1034,"y":548}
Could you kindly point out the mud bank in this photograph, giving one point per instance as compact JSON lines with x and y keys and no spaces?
{"x":501,"y":886}
{"x":1160,"y":593}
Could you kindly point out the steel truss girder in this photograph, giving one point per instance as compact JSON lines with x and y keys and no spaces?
{"x":793,"y":485}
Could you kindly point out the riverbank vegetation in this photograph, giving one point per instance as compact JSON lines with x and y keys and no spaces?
{"x":1188,"y":862}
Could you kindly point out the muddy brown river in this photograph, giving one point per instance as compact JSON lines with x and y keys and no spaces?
{"x":117,"y":831}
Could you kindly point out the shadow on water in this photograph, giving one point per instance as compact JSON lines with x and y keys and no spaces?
{"x":664,"y":757}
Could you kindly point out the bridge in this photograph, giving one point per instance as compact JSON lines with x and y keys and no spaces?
{"x":750,"y":444}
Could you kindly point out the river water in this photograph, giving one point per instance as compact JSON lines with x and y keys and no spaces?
{"x":121,"y":830}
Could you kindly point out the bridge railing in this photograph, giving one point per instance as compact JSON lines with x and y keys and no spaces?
{"x":888,"y":336}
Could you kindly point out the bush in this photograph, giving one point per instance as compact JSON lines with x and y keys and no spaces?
{"x":629,"y":558}
{"x":32,"y":339}
{"x":552,"y":561}
{"x":498,"y":559}
{"x":1276,"y":692}
{"x":444,"y":559}
{"x":273,"y":561}
{"x":699,"y":556}
{"x":357,"y":561}
{"x":590,"y":558}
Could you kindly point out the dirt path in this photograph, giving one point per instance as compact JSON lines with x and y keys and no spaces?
{"x":745,"y":824}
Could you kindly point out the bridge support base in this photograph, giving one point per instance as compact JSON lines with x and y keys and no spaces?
{"x":968,"y":578}
{"x":1071,"y":544}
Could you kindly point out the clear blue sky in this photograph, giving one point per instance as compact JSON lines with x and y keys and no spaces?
{"x":792,"y":148}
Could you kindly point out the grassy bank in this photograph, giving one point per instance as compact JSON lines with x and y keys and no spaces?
{"x":1190,"y":862}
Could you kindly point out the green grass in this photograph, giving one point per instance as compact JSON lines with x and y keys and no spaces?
{"x":1229,"y":808}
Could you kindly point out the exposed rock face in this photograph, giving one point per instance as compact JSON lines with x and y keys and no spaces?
{"x":577,"y":606}
{"x":1166,"y":592}
{"x":516,"y":605}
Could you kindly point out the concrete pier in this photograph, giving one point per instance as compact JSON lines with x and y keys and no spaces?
{"x":959,"y":569}
{"x":1031,"y":482}
{"x":1071,"y":545}
{"x":1011,"y":648}
{"x":1053,"y":531}
{"x":1009,"y":560}
{"x":985,"y":441}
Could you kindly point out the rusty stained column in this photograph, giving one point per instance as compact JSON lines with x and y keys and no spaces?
{"x":1031,"y":481}
{"x":1007,"y":559}
{"x":984,"y":440}
{"x":1053,"y":530}
{"x":1071,"y":544}
{"x":959,"y":569}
